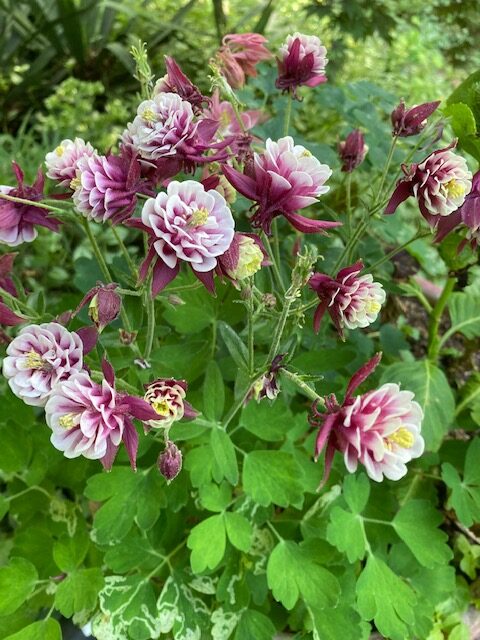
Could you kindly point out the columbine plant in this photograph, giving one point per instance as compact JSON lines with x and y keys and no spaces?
{"x":215,"y":244}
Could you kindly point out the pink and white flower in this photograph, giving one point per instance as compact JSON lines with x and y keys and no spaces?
{"x":18,"y":221}
{"x":106,"y":186}
{"x":39,"y":358}
{"x":175,"y":81}
{"x":353,"y":301}
{"x":185,"y":224}
{"x":222,"y":112}
{"x":302,"y":61}
{"x":283,"y":179}
{"x":62,"y":162}
{"x":167,"y":397}
{"x":381,"y":429}
{"x":239,"y":55}
{"x":440,"y":183}
{"x":91,"y":420}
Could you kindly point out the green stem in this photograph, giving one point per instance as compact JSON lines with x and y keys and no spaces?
{"x":411,"y":489}
{"x":274,"y":531}
{"x":124,"y":250}
{"x":235,"y":408}
{"x":150,"y":306}
{"x":386,"y":168}
{"x":276,"y":270}
{"x":309,"y":392}
{"x":33,"y":203}
{"x":279,"y":331}
{"x":33,"y":488}
{"x":15,"y":301}
{"x":433,"y":338}
{"x":393,"y":252}
{"x":129,"y":292}
{"x":349,"y":246}
{"x":287,"y":115}
{"x":251,"y":336}
{"x":348,"y":189}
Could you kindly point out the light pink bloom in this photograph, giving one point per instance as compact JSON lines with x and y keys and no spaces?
{"x":167,"y":397}
{"x":353,"y":301}
{"x":185,"y":224}
{"x":91,"y":420}
{"x":302,"y":61}
{"x":380,"y":428}
{"x":223,"y":113}
{"x":440,"y":183}
{"x":62,"y":162}
{"x":284,"y":179}
{"x":18,"y":221}
{"x":239,"y":55}
{"x":40,"y":357}
{"x":106,"y":186}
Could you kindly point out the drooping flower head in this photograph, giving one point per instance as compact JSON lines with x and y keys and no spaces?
{"x":239,"y":55}
{"x":301,"y":62}
{"x":380,"y":428}
{"x":8,"y":317}
{"x":352,"y":151}
{"x":245,"y":256}
{"x":106,"y":186}
{"x":283,"y":179}
{"x":410,"y":122}
{"x":352,"y":300}
{"x":62,"y":162}
{"x":167,"y":397}
{"x":40,"y":357}
{"x":91,"y":420}
{"x":18,"y":221}
{"x":468,"y":216}
{"x":104,"y":304}
{"x":185,"y":224}
{"x":170,"y":461}
{"x":440,"y":183}
{"x":175,"y":81}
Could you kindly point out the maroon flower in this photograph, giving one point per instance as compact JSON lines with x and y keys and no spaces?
{"x":175,"y":81}
{"x":302,"y":61}
{"x":18,"y":221}
{"x":282,"y":180}
{"x":440,"y":183}
{"x":380,"y":428}
{"x":409,"y":122}
{"x":352,"y":151}
{"x":468,"y":215}
{"x":352,"y":300}
{"x":170,"y":461}
{"x":167,"y":397}
{"x":7,"y":316}
{"x":104,"y":304}
{"x":106,"y":186}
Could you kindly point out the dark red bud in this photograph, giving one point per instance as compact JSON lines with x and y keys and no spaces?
{"x":170,"y":461}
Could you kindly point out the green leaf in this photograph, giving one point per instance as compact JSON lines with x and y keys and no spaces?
{"x":207,"y":541}
{"x":465,"y":494}
{"x":432,"y":392}
{"x":254,"y":624}
{"x":461,"y":119}
{"x":356,"y":491}
{"x":215,"y":497}
{"x":239,"y":530}
{"x":267,"y":421}
{"x":69,"y":552}
{"x":182,"y":612}
{"x":385,"y":598}
{"x":17,"y":582}
{"x":213,"y":392}
{"x":79,"y":591}
{"x":235,"y":346}
{"x":273,"y":477}
{"x":224,"y":457}
{"x":346,"y":532}
{"x":43,"y":630}
{"x":15,"y":451}
{"x":195,"y":315}
{"x":343,"y":623}
{"x":292,"y":572}
{"x":464,"y":314}
{"x":417,"y":525}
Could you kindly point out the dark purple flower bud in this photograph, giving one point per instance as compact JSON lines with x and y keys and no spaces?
{"x":267,"y":386}
{"x":175,"y":81}
{"x":409,"y":122}
{"x":170,"y":461}
{"x":127,"y":337}
{"x":352,"y":151}
{"x":104,"y":304}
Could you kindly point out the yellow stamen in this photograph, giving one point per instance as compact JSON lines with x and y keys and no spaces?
{"x":34,"y":360}
{"x":306,"y":153}
{"x":67,"y":421}
{"x":75,"y":183}
{"x":198,"y":217}
{"x":161,"y":407}
{"x":149,"y":115}
{"x":93,"y":309}
{"x":402,"y":437}
{"x":372,"y":306}
{"x":59,"y":151}
{"x":454,"y":188}
{"x":225,"y":119}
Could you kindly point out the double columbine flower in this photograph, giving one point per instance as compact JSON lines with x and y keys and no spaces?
{"x":302,"y":61}
{"x":440,"y":183}
{"x":40,"y":357}
{"x":245,"y":256}
{"x":283,"y":179}
{"x":189,"y":224}
{"x":239,"y":55}
{"x":18,"y":221}
{"x":167,"y":397}
{"x":352,"y":300}
{"x":91,"y":420}
{"x":175,"y":81}
{"x":62,"y":162}
{"x":380,"y":429}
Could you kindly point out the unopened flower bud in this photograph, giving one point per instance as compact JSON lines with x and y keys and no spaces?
{"x":104,"y":306}
{"x":352,"y":151}
{"x":175,"y":300}
{"x":170,"y":461}
{"x":245,"y":256}
{"x":127,"y":337}
{"x":269,"y":300}
{"x":410,"y":122}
